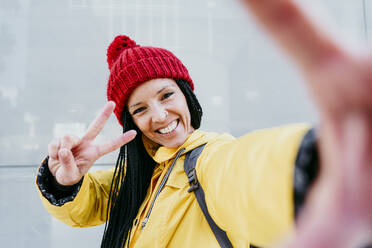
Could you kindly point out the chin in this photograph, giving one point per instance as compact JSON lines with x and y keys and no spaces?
{"x":174,"y":143}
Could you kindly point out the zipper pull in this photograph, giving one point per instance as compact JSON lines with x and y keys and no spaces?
{"x":144,"y":222}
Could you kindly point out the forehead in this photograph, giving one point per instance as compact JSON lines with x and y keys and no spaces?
{"x":150,"y":89}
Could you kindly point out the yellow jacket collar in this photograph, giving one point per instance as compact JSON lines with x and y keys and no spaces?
{"x":162,"y":153}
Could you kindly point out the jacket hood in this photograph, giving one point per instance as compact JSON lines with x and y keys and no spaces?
{"x":162,"y":153}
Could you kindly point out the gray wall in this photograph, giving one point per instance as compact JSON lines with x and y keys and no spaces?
{"x":53,"y":76}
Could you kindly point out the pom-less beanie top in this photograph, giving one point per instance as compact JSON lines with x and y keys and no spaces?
{"x":131,"y":64}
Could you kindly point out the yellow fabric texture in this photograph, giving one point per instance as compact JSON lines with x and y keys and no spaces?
{"x":248,"y":185}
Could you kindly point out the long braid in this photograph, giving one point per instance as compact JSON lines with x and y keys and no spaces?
{"x":132,"y":176}
{"x":129,"y":186}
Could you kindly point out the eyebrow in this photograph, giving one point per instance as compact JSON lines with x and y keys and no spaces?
{"x":157,"y":93}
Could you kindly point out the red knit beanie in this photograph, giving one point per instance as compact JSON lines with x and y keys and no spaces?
{"x":131,"y":64}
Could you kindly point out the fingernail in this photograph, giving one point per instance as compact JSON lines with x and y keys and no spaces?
{"x":133,"y":132}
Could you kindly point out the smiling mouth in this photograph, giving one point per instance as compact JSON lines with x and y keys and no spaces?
{"x":171,"y":127}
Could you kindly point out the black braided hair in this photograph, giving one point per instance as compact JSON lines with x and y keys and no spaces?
{"x":132,"y":176}
{"x":131,"y":179}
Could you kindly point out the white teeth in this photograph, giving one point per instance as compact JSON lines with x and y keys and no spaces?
{"x":169,"y":128}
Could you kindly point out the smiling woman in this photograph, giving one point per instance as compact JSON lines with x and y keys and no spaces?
{"x":146,"y":201}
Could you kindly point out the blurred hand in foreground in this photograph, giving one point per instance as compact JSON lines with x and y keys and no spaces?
{"x":338,"y":212}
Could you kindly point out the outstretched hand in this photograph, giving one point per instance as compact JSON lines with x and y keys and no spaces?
{"x":339,"y":210}
{"x":71,"y":157}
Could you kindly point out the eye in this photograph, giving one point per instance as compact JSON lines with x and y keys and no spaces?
{"x":167,"y":95}
{"x":139,"y":110}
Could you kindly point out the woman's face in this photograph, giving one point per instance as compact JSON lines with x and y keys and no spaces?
{"x":160,"y":111}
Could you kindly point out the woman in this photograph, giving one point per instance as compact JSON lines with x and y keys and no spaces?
{"x":248,"y":182}
{"x":254,"y":186}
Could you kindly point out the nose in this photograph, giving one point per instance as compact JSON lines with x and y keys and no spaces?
{"x":159,"y":114}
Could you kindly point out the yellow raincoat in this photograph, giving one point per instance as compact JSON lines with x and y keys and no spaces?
{"x":248,"y":185}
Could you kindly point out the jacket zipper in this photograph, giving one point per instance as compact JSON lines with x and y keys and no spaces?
{"x":144,"y":222}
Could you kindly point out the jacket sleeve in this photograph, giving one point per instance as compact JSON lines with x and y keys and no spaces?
{"x":306,"y":171}
{"x":86,"y":203}
{"x":249,"y":182}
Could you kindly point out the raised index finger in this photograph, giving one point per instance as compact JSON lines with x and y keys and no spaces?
{"x":295,"y":31}
{"x":99,"y":122}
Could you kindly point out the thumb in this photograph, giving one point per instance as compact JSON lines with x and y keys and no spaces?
{"x":68,"y":173}
{"x":66,"y":158}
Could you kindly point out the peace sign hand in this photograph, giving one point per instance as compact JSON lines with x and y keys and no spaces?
{"x":71,"y":157}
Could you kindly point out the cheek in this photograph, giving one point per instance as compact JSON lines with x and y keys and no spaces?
{"x":141,"y":124}
{"x":186,"y":111}
{"x":182,"y":108}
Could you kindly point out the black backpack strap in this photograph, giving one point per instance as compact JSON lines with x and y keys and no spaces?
{"x":189,"y":166}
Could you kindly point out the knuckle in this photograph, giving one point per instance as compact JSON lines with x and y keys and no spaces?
{"x":96,"y":127}
{"x":69,"y":141}
{"x":106,"y":115}
{"x":53,"y":149}
{"x":53,"y":166}
{"x":53,"y":145}
{"x":100,"y":151}
{"x":63,"y":153}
